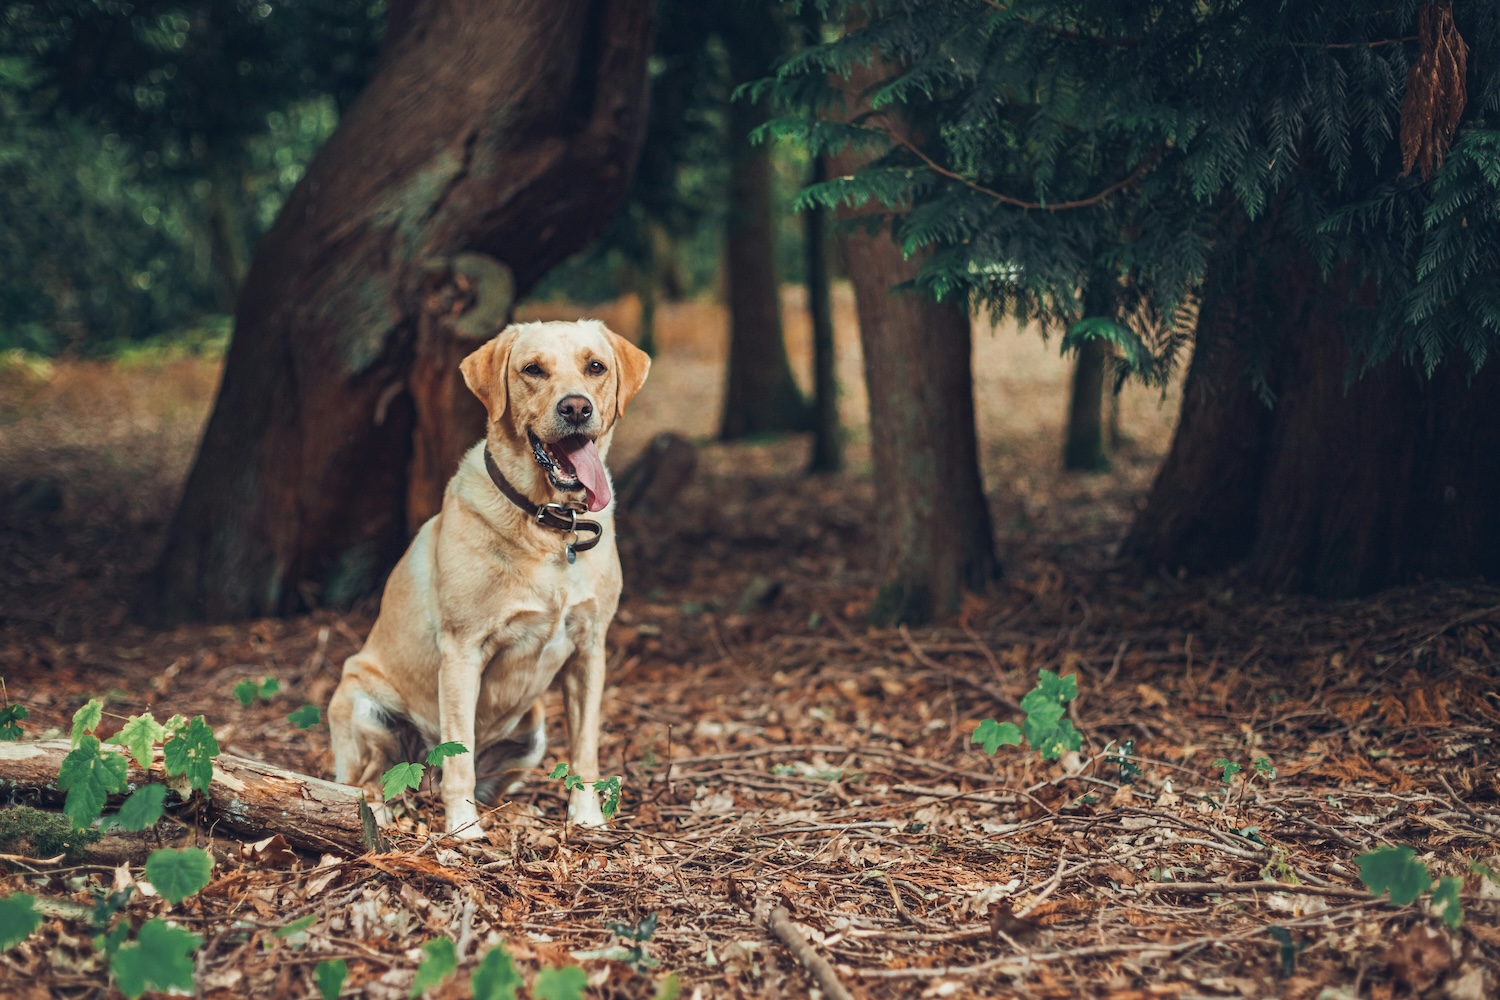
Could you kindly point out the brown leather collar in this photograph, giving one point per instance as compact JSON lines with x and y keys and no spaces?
{"x":557,"y":516}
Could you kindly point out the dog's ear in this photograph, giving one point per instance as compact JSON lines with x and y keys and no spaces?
{"x":631,"y":366}
{"x":485,"y":372}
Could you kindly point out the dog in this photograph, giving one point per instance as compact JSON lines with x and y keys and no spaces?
{"x":511,"y":584}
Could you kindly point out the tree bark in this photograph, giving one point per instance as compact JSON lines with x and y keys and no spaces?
{"x":1338,"y":488}
{"x":251,"y":797}
{"x":828,"y":434}
{"x":503,"y":127}
{"x":1083,"y":446}
{"x":761,"y":396}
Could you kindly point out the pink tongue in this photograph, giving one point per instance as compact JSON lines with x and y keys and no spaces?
{"x":589,"y":468}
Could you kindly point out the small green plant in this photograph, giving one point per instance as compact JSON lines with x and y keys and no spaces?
{"x":18,"y":918}
{"x":265,"y":689}
{"x":160,"y":958}
{"x":10,"y":716}
{"x":1227,"y":769}
{"x":305,"y":717}
{"x":1125,"y":760}
{"x":1396,"y":870}
{"x":609,"y":788}
{"x":330,"y":976}
{"x":496,"y":978}
{"x":635,"y":954}
{"x":176,"y":875}
{"x":1045,"y":728}
{"x":407,"y":775}
{"x":440,"y":960}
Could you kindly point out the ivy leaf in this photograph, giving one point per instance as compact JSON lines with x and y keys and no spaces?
{"x":18,"y":918}
{"x":90,"y":777}
{"x":179,"y":874}
{"x":87,"y":719}
{"x":191,"y":752}
{"x":993,"y":735}
{"x":610,"y":789}
{"x":138,"y":735}
{"x":1060,"y":738}
{"x":1445,"y":900}
{"x":440,"y":963}
{"x":496,"y":977}
{"x":142,"y":809}
{"x":305,"y":717}
{"x":401,"y":778}
{"x":10,"y":722}
{"x":246,"y":691}
{"x":566,"y":983}
{"x":443,"y":751}
{"x":159,"y":958}
{"x":269,"y":687}
{"x":560,"y":771}
{"x":1228,"y":769}
{"x":1396,"y":869}
{"x":330,"y":976}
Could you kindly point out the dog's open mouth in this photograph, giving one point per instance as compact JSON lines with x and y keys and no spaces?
{"x":573,"y":464}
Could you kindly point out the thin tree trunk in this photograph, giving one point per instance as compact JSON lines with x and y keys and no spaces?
{"x":1083,"y":447}
{"x":503,"y":127}
{"x":1336,"y":489}
{"x":828,"y":434}
{"x":761,"y":395}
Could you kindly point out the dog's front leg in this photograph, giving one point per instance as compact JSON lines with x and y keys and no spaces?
{"x":583,"y":691}
{"x":458,"y":702}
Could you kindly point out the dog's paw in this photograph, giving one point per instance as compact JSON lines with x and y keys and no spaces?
{"x":463,"y":822}
{"x":583,"y":809}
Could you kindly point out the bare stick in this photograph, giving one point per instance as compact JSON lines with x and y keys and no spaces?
{"x":780,"y":923}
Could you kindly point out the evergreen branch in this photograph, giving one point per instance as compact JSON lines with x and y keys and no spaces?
{"x":1135,"y":175}
{"x":1064,"y":33}
{"x":1353,"y":45}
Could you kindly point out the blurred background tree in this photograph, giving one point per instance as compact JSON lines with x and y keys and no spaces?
{"x":146,"y":146}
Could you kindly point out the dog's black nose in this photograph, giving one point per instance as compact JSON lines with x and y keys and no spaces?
{"x":575,"y":409}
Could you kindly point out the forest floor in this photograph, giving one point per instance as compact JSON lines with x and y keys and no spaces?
{"x":777,"y":752}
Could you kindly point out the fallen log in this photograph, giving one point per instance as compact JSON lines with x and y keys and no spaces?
{"x":247,"y":796}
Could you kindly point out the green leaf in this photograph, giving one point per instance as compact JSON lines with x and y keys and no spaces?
{"x":330,"y":976}
{"x":560,"y":771}
{"x":401,"y":778}
{"x":566,"y":983}
{"x":269,"y":687}
{"x":1060,"y":738}
{"x":90,"y":777}
{"x":496,"y":977}
{"x":1131,"y":351}
{"x":1396,"y":869}
{"x":18,"y":918}
{"x":610,"y":789}
{"x":110,"y":943}
{"x":87,"y":719}
{"x":1228,"y":769}
{"x":142,"y":809}
{"x":442,"y":751}
{"x":440,"y":963}
{"x":1445,"y":901}
{"x":138,"y":735}
{"x":669,"y":988}
{"x":191,"y":752}
{"x":245,"y":691}
{"x":296,"y":926}
{"x":176,"y":875}
{"x":1265,"y":768}
{"x":305,"y":717}
{"x":159,"y":958}
{"x":10,"y":722}
{"x":993,"y":735}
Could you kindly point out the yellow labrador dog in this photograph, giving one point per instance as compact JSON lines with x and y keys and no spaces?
{"x":515,"y":580}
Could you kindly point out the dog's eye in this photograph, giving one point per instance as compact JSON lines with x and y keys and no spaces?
{"x":596,"y":368}
{"x":533,"y":370}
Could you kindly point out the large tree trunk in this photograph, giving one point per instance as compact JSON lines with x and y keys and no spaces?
{"x":761,"y":396}
{"x":503,"y":127}
{"x":1338,"y":488}
{"x":828,"y":434}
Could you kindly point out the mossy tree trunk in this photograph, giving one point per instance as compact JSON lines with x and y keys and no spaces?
{"x":503,"y":127}
{"x":1338,"y":488}
{"x":1084,"y":441}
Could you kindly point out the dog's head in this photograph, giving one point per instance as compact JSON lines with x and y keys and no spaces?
{"x":557,"y":388}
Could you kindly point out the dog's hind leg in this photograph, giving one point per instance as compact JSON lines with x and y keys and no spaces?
{"x":501,"y":765}
{"x":364,"y":737}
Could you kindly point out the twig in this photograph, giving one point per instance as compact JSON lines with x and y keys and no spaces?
{"x":1048,"y":888}
{"x":780,"y":923}
{"x":1214,"y":888}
